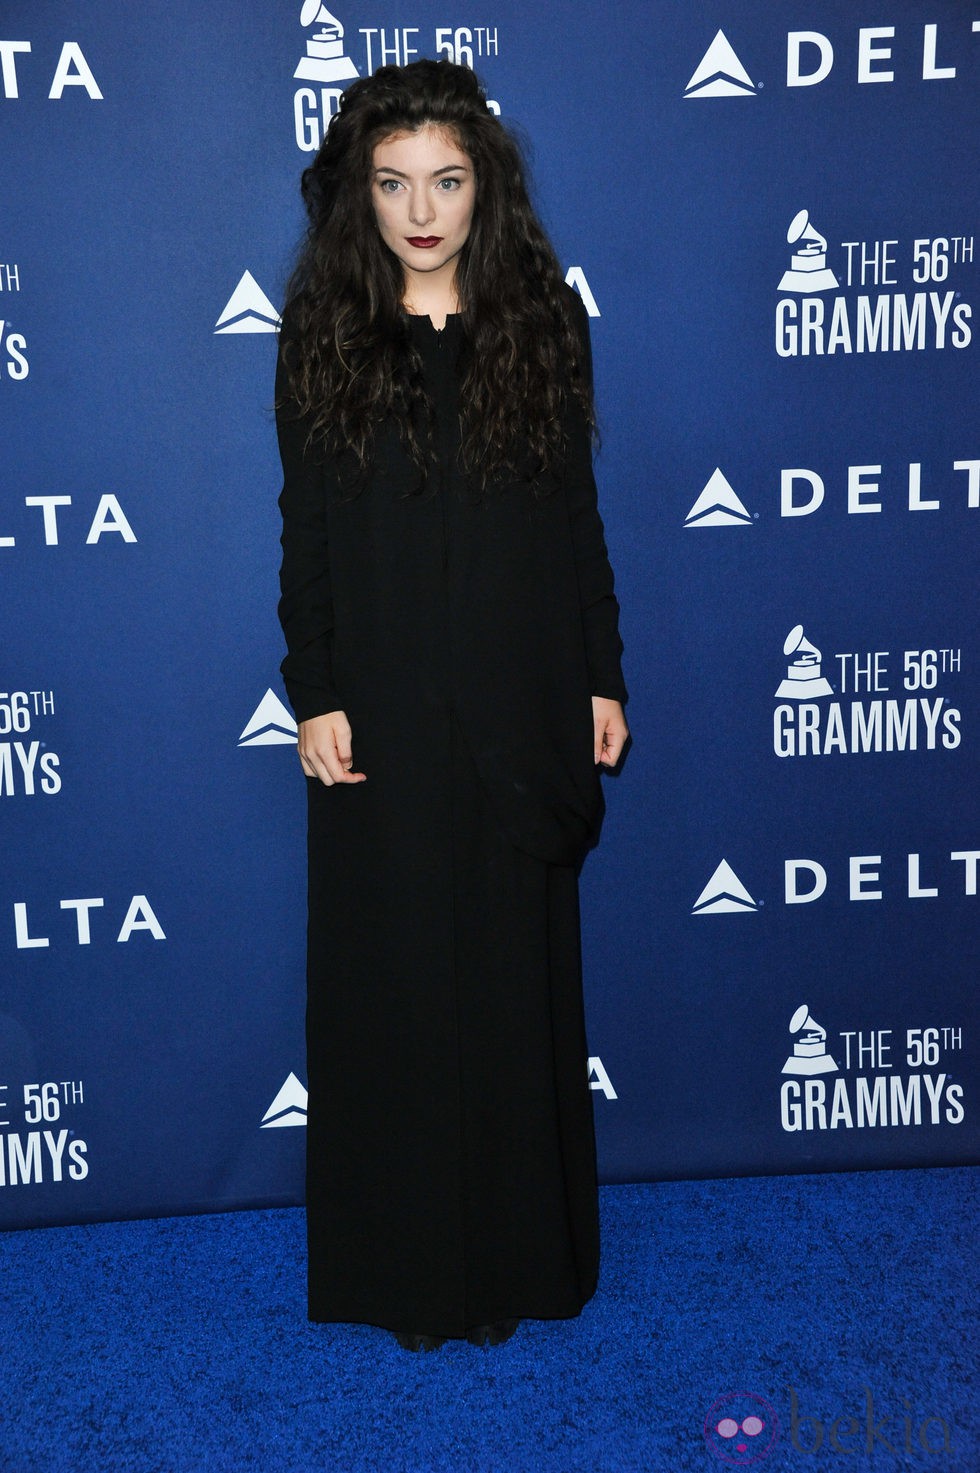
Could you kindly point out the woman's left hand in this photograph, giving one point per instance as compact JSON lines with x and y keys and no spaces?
{"x":611,"y":731}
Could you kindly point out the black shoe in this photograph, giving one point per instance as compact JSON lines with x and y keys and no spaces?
{"x":494,"y":1334}
{"x":418,"y":1342}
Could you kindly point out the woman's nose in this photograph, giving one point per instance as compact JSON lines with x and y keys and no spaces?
{"x":421,"y":210}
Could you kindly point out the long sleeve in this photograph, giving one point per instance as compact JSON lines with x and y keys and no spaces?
{"x":600,"y":608}
{"x":305,"y":605}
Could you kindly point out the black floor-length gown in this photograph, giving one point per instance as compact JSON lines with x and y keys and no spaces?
{"x":451,"y":1175}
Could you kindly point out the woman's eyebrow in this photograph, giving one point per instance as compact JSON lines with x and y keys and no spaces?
{"x":446,"y":169}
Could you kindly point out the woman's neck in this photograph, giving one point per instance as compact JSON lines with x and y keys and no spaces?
{"x":430,"y":297}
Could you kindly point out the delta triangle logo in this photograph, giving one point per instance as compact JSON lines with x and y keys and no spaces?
{"x":270,"y":725}
{"x":718,"y":506}
{"x":719,"y":73}
{"x":248,"y":309}
{"x":288,"y":1107}
{"x":724,"y":894}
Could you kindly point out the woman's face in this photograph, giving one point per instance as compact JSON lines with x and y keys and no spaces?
{"x":423,"y":191}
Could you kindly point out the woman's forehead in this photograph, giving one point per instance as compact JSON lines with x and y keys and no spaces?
{"x":419,"y":148}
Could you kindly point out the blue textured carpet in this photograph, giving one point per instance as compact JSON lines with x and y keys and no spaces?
{"x":838,"y":1310}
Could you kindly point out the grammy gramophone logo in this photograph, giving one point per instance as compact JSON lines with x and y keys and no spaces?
{"x":808,"y":270}
{"x":804,"y":679}
{"x":809,"y":1054}
{"x":325,"y":60}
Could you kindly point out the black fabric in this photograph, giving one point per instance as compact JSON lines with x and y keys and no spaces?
{"x":391,"y":600}
{"x":451,"y":1158}
{"x":451,"y":1161}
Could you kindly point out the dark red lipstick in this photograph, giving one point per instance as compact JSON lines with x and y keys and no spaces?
{"x":424,"y":242}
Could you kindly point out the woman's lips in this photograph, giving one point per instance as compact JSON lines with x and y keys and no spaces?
{"x":424,"y":242}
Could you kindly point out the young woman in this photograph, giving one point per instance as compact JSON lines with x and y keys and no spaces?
{"x":454,"y":666}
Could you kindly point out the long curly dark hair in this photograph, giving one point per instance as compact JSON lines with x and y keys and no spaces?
{"x":349,"y":357}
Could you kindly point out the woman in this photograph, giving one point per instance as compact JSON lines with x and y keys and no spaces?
{"x":454,"y":667}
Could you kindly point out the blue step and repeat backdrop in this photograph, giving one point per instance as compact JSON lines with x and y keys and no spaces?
{"x":771,"y":214}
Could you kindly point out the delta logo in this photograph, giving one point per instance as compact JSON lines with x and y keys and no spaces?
{"x":865,"y":490}
{"x":248,"y":309}
{"x":288,"y":1107}
{"x":811,"y":57}
{"x":719,"y":73}
{"x":718,"y":505}
{"x":270,"y":725}
{"x":861,"y":878}
{"x":724,"y":894}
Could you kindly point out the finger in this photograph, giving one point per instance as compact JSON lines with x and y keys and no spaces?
{"x":615,"y":741}
{"x":345,"y":773}
{"x":332,"y":764}
{"x":327,"y":768}
{"x":325,"y":751}
{"x":319,"y":774}
{"x":314,"y":765}
{"x":339,"y":759}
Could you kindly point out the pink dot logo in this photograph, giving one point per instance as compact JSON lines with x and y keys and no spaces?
{"x":740,"y":1428}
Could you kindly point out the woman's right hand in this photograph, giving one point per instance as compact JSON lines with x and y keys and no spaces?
{"x":325,"y":749}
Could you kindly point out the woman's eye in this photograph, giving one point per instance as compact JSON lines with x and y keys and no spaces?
{"x":388,"y":186}
{"x":447,"y":185}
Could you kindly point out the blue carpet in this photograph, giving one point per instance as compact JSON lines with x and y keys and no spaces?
{"x":840,"y":1310}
